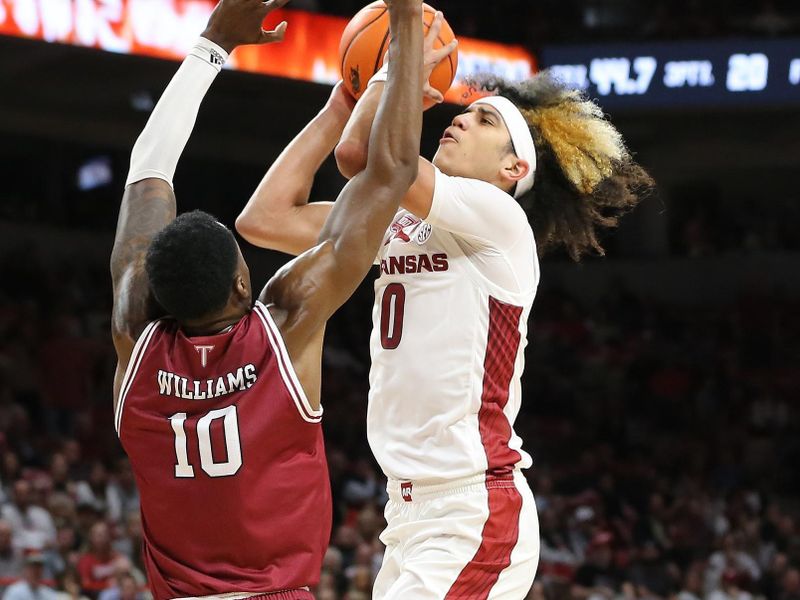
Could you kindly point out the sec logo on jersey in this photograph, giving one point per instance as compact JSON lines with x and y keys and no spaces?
{"x":424,"y":233}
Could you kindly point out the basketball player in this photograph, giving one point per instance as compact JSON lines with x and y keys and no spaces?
{"x":458,"y":274}
{"x":217,"y":399}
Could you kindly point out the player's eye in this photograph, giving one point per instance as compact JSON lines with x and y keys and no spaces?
{"x":486,"y":121}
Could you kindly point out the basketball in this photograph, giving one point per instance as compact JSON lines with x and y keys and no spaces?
{"x":365,"y":42}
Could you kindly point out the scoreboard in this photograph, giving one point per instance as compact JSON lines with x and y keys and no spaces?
{"x":730,"y":73}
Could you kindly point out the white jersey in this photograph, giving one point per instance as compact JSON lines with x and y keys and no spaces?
{"x":449,"y":331}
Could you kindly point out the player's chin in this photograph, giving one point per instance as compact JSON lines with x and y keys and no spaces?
{"x":450,"y":161}
{"x":443,"y":159}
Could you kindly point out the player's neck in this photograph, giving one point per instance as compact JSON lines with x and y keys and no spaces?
{"x":496,"y":180}
{"x":213,"y":325}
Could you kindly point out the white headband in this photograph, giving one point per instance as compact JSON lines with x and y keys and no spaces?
{"x":521,"y":137}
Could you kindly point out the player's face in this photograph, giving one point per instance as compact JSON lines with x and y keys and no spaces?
{"x":477,"y":145}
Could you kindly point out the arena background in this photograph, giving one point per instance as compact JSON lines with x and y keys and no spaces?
{"x":661,"y":390}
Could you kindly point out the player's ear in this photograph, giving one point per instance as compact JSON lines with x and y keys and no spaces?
{"x":241,"y":287}
{"x":514,"y":169}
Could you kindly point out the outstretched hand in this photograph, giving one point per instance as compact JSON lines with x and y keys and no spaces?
{"x":238,"y":22}
{"x":433,"y":57}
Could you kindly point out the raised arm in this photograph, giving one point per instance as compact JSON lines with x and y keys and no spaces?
{"x":278,"y":215}
{"x":148,"y":203}
{"x":305,"y":293}
{"x":351,"y":152}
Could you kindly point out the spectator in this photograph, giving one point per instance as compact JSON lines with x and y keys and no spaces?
{"x":32,"y":526}
{"x":70,"y":587}
{"x":64,"y":557}
{"x":122,"y":494}
{"x":10,"y":557}
{"x":791,"y":585}
{"x":95,"y":490}
{"x":30,"y":587}
{"x":652,"y":574}
{"x":693,"y":584}
{"x":100,"y":563}
{"x":774,"y":576}
{"x":125,"y":588}
{"x":599,"y":576}
{"x":130,"y":543}
{"x":730,"y":587}
{"x":59,"y":474}
{"x":62,"y":508}
{"x":73,"y":454}
{"x":730,"y":560}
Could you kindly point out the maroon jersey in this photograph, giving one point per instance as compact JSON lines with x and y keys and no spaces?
{"x":229,"y":459}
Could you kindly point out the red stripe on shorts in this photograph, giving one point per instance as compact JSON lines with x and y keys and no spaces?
{"x":499,"y":536}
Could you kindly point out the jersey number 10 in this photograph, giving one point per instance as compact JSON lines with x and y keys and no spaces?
{"x":233,"y":444}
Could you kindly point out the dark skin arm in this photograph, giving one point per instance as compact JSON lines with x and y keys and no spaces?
{"x":307,"y":291}
{"x":149,"y":205}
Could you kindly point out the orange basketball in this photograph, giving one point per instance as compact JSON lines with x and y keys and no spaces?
{"x":365,"y":42}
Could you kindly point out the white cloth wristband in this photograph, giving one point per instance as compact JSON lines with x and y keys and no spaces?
{"x":382,"y":74}
{"x":210,"y":52}
{"x":163,"y":139}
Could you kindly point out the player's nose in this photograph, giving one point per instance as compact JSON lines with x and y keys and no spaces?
{"x":460,"y":121}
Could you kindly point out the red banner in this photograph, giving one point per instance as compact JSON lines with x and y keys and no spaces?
{"x":168,"y":28}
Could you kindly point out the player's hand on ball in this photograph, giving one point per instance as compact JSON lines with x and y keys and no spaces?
{"x":238,"y":22}
{"x":433,"y":56}
{"x":340,"y":100}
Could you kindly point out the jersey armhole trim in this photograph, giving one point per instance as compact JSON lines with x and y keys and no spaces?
{"x":286,"y":368}
{"x":130,"y":372}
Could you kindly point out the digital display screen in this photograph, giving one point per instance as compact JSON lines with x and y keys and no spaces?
{"x":169,"y":28}
{"x":730,"y":73}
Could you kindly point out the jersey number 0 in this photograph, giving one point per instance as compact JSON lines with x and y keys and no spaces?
{"x":393,"y":307}
{"x":233,"y":444}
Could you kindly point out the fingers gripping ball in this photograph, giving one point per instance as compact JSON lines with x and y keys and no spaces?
{"x":365,"y":42}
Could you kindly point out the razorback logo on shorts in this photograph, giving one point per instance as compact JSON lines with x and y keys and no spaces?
{"x":405,"y":490}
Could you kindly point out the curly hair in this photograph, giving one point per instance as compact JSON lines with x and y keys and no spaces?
{"x":191,"y":266}
{"x":585,"y":177}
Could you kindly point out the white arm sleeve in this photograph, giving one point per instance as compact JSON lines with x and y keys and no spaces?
{"x":163,"y":139}
{"x":477,"y":210}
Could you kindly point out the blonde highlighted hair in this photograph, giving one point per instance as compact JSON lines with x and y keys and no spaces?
{"x":585,"y":177}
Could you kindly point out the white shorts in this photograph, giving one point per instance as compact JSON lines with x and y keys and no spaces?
{"x":470,"y":539}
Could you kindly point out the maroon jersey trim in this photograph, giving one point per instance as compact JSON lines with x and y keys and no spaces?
{"x":286,"y":368}
{"x":130,"y":372}
{"x":502,"y":348}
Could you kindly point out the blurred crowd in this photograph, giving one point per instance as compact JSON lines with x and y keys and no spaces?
{"x":554,"y":21}
{"x":665,"y":446}
{"x":708,"y":223}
